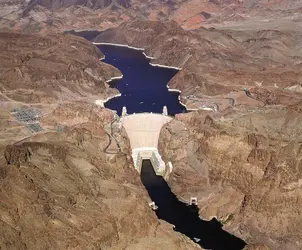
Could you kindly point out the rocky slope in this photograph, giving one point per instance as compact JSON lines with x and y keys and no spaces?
{"x":95,"y":4}
{"x":194,"y":14}
{"x":61,"y":191}
{"x":71,"y":183}
{"x":41,"y":15}
{"x":242,"y":162}
{"x":251,"y":68}
{"x":245,"y":168}
{"x":51,"y":68}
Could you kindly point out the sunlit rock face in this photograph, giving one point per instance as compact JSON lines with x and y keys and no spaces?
{"x":70,"y":192}
{"x":54,"y":66}
{"x":60,"y":188}
{"x":244,"y":168}
{"x":95,"y":4}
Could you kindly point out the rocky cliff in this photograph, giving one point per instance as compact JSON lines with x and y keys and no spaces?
{"x":95,"y":4}
{"x":66,"y":175}
{"x":242,"y":161}
{"x":41,"y":15}
{"x":61,"y":191}
{"x":51,"y":68}
{"x":244,"y":167}
{"x":221,"y":68}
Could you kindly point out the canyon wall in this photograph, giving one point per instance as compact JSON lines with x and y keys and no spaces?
{"x":68,"y":185}
{"x":245,"y":169}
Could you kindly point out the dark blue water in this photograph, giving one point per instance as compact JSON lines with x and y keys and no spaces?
{"x":143,"y":87}
{"x":184,"y":217}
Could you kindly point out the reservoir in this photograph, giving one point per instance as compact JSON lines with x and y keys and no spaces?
{"x":208,"y":234}
{"x":143,"y":87}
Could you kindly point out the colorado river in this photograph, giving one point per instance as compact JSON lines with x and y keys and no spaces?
{"x":209,"y":234}
{"x":143,"y":87}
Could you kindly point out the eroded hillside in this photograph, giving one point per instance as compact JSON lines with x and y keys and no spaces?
{"x":245,"y":168}
{"x":66,"y":174}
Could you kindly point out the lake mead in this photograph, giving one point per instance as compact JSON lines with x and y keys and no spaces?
{"x":143,"y":87}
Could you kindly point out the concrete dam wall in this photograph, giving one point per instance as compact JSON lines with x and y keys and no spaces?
{"x":143,"y":131}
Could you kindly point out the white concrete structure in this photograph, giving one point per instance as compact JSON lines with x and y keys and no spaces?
{"x":193,"y":201}
{"x":143,"y":131}
{"x":153,"y":205}
{"x":124,"y":111}
{"x":165,"y":110}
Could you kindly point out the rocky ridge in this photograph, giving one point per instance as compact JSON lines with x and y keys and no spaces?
{"x":260,"y":67}
{"x":41,"y":15}
{"x":68,"y":185}
{"x":51,"y":68}
{"x":60,"y":190}
{"x":242,"y":162}
{"x":71,"y":196}
{"x":244,"y":167}
{"x":96,"y":4}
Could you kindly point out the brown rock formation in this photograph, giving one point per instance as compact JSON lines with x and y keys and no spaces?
{"x":45,"y":69}
{"x":244,"y":167}
{"x":59,"y":190}
{"x":41,"y":15}
{"x":69,"y":185}
{"x":243,"y":162}
{"x":95,"y":4}
{"x":217,"y":63}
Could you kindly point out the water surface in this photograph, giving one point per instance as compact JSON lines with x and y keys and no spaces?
{"x":143,"y":87}
{"x":209,"y":234}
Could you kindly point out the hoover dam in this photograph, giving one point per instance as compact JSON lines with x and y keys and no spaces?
{"x":150,"y":124}
{"x":143,"y":128}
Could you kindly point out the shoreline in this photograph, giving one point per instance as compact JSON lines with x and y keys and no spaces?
{"x":152,"y":64}
{"x":119,"y":45}
{"x":148,"y":57}
{"x":165,"y":66}
{"x":81,"y":30}
{"x":101,"y":102}
{"x":139,"y":49}
{"x":111,"y":97}
{"x":179,"y":99}
{"x":114,"y":78}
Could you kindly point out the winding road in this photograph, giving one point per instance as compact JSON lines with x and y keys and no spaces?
{"x":213,"y":105}
{"x":111,"y":137}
